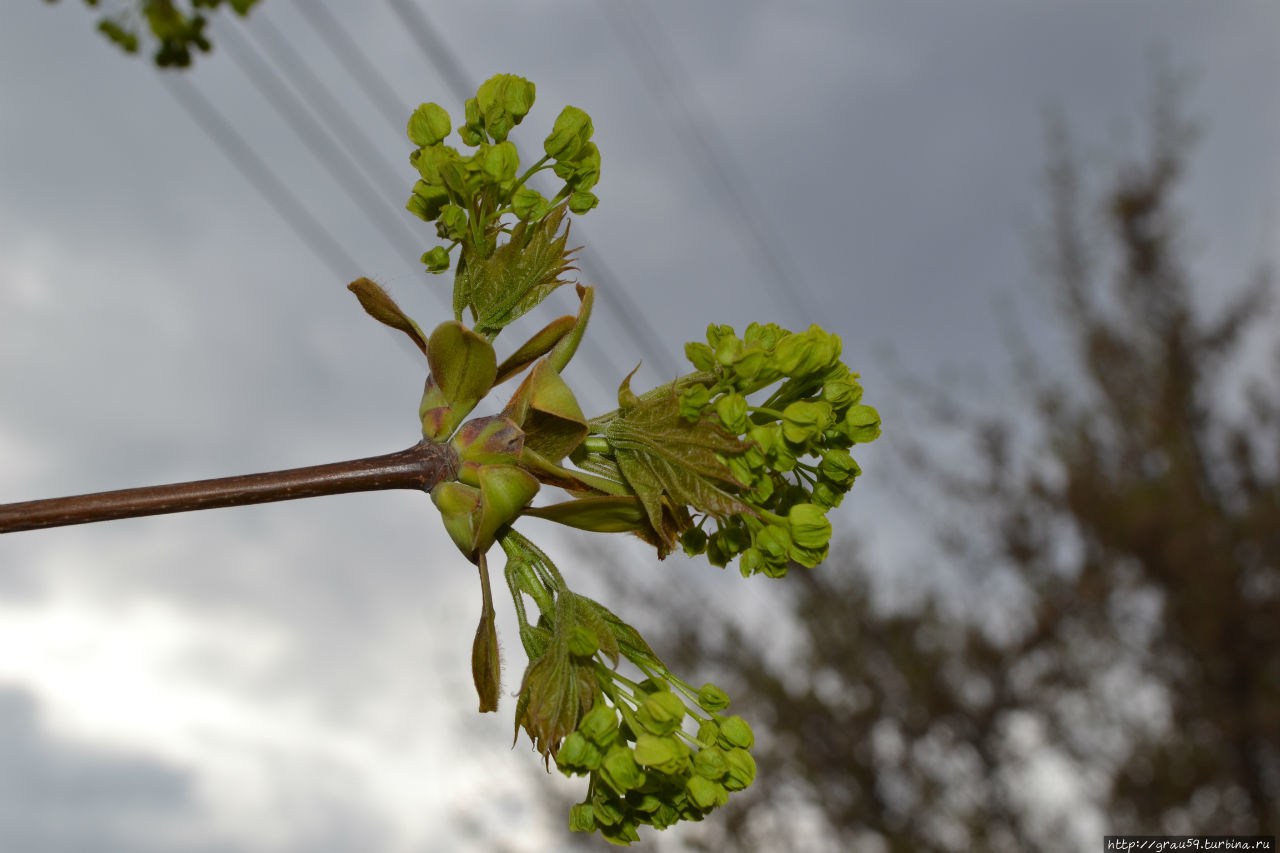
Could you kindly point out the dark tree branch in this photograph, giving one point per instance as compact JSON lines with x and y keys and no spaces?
{"x":418,"y":467}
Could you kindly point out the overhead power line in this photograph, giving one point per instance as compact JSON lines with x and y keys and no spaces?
{"x":260,"y":176}
{"x":672,"y":87}
{"x":319,"y":140}
{"x":348,"y":53}
{"x":323,"y":102}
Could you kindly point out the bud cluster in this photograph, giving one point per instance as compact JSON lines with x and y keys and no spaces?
{"x":644,"y":768}
{"x":797,"y":465}
{"x":656,"y":751}
{"x":466,"y":195}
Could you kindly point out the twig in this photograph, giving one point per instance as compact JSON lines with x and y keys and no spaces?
{"x":418,"y":467}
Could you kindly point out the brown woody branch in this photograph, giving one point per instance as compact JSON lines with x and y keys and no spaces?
{"x":418,"y":467}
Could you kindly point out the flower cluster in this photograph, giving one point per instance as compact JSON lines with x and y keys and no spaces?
{"x":644,"y":768}
{"x":467,"y":195}
{"x":656,"y":751}
{"x":796,"y":465}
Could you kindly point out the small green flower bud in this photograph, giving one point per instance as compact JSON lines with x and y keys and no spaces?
{"x":427,"y":201}
{"x":605,"y":809}
{"x":731,"y":409}
{"x":809,"y":526}
{"x":742,"y":769}
{"x":582,"y":642}
{"x":580,"y":202}
{"x":803,"y":421}
{"x":529,"y":204}
{"x":808,"y":352}
{"x":842,"y":393}
{"x":750,"y":562}
{"x":504,"y":100}
{"x":585,"y":169}
{"x":862,"y":424}
{"x":725,"y":544}
{"x":708,"y":732}
{"x":661,"y":713}
{"x":452,"y":222}
{"x":768,"y":335}
{"x":716,"y":333}
{"x":810,"y":534}
{"x":501,"y":161}
{"x":776,"y":570}
{"x":428,"y":125}
{"x":432,"y":161}
{"x":704,"y":793}
{"x":644,"y":804}
{"x":573,"y":753}
{"x":623,"y":833}
{"x":471,"y":112}
{"x":774,"y":544}
{"x":728,"y":350}
{"x":694,"y":541}
{"x":437,"y":260}
{"x":570,"y":132}
{"x":748,"y":365}
{"x":734,"y":731}
{"x":710,"y":763}
{"x":838,"y":467}
{"x":712,"y":698}
{"x":826,"y":495}
{"x":619,"y":769}
{"x":694,"y":401}
{"x":581,"y":818}
{"x":663,"y":754}
{"x":666,"y":815}
{"x":600,"y":724}
{"x":700,"y":355}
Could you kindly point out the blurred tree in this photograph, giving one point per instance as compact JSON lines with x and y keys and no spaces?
{"x":1133,"y":673}
{"x":177,"y":26}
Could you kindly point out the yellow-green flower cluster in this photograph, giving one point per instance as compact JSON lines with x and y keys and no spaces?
{"x":797,"y":464}
{"x":466,"y":194}
{"x":645,"y":769}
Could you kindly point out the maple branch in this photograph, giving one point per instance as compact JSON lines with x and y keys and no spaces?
{"x":418,"y":467}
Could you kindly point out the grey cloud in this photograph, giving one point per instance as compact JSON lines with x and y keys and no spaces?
{"x":59,"y":797}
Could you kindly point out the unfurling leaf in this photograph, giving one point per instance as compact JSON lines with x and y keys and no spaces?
{"x":380,"y":306}
{"x":518,"y":275}
{"x":559,"y":690}
{"x":661,"y":454}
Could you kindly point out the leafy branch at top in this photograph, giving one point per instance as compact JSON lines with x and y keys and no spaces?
{"x":177,"y":27}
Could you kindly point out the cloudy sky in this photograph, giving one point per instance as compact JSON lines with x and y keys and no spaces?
{"x":294,"y":677}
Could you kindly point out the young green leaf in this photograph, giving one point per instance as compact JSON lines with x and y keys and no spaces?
{"x":518,"y":275}
{"x":661,"y":454}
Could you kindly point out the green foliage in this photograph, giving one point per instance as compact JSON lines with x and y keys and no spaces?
{"x":663,"y":465}
{"x":176,"y":27}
